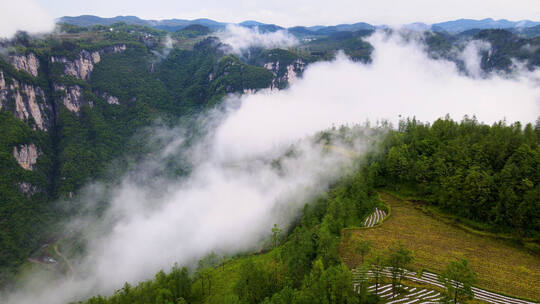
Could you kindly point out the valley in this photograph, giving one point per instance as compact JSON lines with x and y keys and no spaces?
{"x":195,"y":161}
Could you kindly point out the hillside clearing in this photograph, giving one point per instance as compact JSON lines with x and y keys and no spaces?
{"x":500,"y":267}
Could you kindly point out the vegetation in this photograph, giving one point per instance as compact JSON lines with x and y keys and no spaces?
{"x":500,"y":265}
{"x":80,"y":147}
{"x":22,"y":213}
{"x":306,"y":268}
{"x":458,"y":279}
{"x":488,"y":175}
{"x":398,"y":260}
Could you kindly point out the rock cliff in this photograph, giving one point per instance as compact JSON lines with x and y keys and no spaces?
{"x":28,"y":63}
{"x":26,"y":155}
{"x":82,"y":66}
{"x":285,"y":75}
{"x":27,"y":101}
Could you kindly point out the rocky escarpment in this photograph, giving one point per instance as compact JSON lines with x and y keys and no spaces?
{"x":285,"y":74}
{"x":110,"y":99}
{"x":28,"y":63}
{"x":82,"y":66}
{"x":28,"y":102}
{"x":26,"y":155}
{"x":71,"y":97}
{"x":27,"y":188}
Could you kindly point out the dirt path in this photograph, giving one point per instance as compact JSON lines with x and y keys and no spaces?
{"x":68,"y":263}
{"x":36,"y":261}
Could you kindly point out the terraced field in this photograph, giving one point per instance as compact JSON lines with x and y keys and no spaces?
{"x":375,"y":218}
{"x":410,"y":295}
{"x":500,"y":266}
{"x":426,"y":295}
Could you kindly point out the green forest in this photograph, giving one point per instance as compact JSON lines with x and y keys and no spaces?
{"x":487,"y":175}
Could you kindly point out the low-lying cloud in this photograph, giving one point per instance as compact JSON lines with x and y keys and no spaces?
{"x":472,"y":56}
{"x":235,"y":193}
{"x":241,"y":38}
{"x":23,"y":15}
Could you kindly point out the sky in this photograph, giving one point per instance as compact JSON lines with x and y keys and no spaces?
{"x":302,"y":12}
{"x":37,"y":16}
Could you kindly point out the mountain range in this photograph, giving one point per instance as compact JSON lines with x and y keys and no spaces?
{"x":454,"y":26}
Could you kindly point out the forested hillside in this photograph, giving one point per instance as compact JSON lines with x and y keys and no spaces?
{"x":487,"y":175}
{"x":71,"y":103}
{"x":301,"y":266}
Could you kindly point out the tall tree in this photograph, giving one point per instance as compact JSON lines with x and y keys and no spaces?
{"x":363,"y":247}
{"x":398,"y":258}
{"x":458,"y":279}
{"x":276,"y":235}
{"x":362,"y":283}
{"x":377,"y":263}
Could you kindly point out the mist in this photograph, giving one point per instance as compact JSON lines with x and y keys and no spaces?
{"x":23,"y":15}
{"x":234,"y":194}
{"x":167,"y":46}
{"x":241,"y":38}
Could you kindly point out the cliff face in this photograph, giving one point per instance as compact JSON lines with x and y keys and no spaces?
{"x":71,"y":97}
{"x":28,"y":63}
{"x":26,"y":155}
{"x":27,"y":101}
{"x":82,"y":66}
{"x":32,"y":102}
{"x":285,"y":73}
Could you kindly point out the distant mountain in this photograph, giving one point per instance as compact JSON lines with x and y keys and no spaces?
{"x":533,"y":31}
{"x":167,"y":24}
{"x":417,"y":26}
{"x":469,"y":26}
{"x":89,"y":20}
{"x":263,"y":27}
{"x":461,"y":25}
{"x":345,"y":28}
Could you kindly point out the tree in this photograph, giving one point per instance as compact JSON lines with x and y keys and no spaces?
{"x":458,"y":279}
{"x":331,"y":285}
{"x":362,"y":283}
{"x":398,"y":163}
{"x":254,"y":283}
{"x":363,"y":248}
{"x":398,"y":258}
{"x":204,"y":272}
{"x":377,"y":263}
{"x":276,"y":234}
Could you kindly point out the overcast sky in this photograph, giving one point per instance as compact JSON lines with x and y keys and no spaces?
{"x":302,"y":12}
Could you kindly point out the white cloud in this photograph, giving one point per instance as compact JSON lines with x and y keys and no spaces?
{"x":234,"y":195}
{"x":472,"y":55}
{"x":241,"y":38}
{"x":25,"y":15}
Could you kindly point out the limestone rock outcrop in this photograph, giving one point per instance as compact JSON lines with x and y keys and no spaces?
{"x":28,"y":63}
{"x":26,"y":155}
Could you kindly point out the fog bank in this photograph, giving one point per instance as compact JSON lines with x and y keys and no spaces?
{"x":23,"y":15}
{"x":241,"y":38}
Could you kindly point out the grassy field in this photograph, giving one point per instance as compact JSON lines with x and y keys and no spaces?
{"x":223,"y":277}
{"x":500,"y":266}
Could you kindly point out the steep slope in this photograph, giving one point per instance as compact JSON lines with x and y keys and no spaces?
{"x":70,"y":103}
